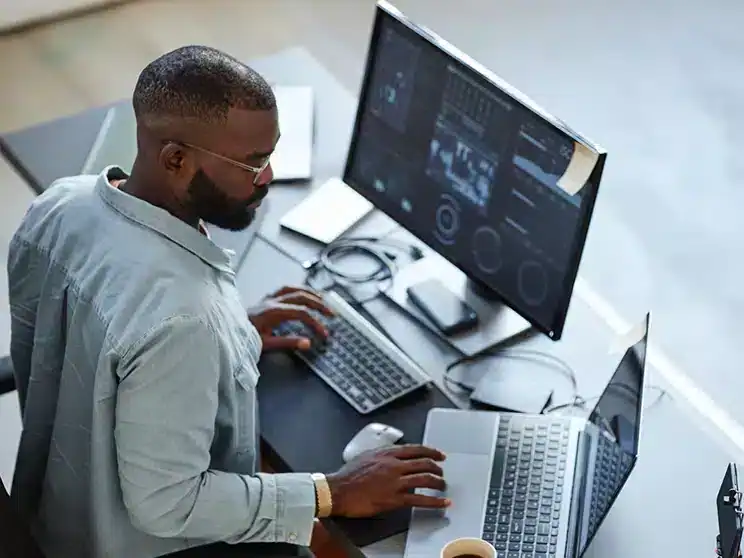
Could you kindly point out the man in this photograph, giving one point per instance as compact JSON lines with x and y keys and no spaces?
{"x":135,"y":363}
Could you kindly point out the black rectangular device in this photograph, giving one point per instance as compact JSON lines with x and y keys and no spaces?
{"x":449,"y":313}
{"x":730,"y":514}
{"x":473,"y":168}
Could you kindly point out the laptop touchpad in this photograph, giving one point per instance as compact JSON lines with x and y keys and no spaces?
{"x":467,"y":477}
{"x":461,"y":431}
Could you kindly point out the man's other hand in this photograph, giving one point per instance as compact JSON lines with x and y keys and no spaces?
{"x":289,"y":304}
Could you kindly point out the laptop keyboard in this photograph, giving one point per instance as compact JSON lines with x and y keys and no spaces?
{"x":611,"y":466}
{"x":353,"y":366}
{"x":524,"y":504}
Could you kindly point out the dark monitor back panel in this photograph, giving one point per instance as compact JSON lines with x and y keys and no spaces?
{"x":470,"y":170}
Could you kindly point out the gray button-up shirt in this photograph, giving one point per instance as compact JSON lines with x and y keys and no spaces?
{"x":136,"y":370}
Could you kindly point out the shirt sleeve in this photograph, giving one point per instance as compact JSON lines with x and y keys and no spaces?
{"x":165,"y":418}
{"x":23,"y":298}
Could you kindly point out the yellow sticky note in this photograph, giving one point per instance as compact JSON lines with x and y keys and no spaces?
{"x":579,"y":168}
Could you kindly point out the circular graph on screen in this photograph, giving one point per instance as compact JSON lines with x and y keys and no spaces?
{"x":447,"y":219}
{"x":487,"y":250}
{"x":532,"y":282}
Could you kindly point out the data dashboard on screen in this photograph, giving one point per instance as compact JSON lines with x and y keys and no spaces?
{"x":468,"y":170}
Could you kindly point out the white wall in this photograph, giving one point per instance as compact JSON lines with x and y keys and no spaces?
{"x":18,"y":12}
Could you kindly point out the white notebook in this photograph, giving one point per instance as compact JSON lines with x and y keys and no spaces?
{"x":327,"y":212}
{"x":293,"y":158}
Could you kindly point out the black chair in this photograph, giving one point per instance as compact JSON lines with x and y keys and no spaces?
{"x":7,"y":382}
{"x":15,"y":535}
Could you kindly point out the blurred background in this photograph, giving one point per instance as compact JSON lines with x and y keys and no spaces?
{"x":658,"y":83}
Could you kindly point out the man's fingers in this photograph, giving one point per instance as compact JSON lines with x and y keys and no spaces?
{"x":423,"y":480}
{"x":422,"y":465}
{"x":290,"y":313}
{"x":286,"y":344}
{"x":417,"y":451}
{"x":284,"y":291}
{"x":307,"y":300}
{"x":423,"y":501}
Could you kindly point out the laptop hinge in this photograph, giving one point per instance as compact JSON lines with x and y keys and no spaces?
{"x":576,"y":513}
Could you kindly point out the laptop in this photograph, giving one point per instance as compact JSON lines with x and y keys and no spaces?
{"x":534,"y":485}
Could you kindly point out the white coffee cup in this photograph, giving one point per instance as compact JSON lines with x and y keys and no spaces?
{"x":464,"y":546}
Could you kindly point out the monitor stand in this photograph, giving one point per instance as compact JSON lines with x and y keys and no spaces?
{"x":481,"y":291}
{"x":496,"y":322}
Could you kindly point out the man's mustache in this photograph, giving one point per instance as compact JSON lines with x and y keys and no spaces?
{"x":258,"y":195}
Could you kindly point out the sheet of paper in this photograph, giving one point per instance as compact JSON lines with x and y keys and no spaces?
{"x":579,"y":168}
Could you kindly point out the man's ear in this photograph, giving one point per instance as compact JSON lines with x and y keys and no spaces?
{"x":175,"y":159}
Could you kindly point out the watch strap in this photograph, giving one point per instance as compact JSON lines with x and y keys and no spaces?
{"x":323,"y":499}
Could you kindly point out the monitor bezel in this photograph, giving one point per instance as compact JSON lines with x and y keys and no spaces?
{"x":554,"y":329}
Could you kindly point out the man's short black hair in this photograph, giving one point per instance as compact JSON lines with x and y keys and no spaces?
{"x":199,"y":82}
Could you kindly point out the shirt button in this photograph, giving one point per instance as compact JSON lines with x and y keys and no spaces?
{"x":292,"y":537}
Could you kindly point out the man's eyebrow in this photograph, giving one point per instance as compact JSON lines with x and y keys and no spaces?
{"x":260,"y":154}
{"x":263,"y":154}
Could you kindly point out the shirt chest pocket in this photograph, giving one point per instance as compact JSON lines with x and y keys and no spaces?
{"x":245,"y":380}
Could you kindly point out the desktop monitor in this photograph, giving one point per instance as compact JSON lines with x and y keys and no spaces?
{"x":474,"y":169}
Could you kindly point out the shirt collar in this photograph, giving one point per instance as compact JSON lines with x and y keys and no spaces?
{"x":161,"y":222}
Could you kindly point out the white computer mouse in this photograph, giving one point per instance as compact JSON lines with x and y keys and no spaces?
{"x":372,"y":436}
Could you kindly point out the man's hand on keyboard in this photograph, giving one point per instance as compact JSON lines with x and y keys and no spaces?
{"x":383,"y":480}
{"x":288,"y":304}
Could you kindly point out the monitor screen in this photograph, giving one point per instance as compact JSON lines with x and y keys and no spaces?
{"x":470,"y":169}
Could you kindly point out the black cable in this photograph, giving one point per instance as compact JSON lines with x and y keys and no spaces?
{"x":530,"y":355}
{"x":384,"y":252}
{"x":582,"y":403}
{"x":559,"y":364}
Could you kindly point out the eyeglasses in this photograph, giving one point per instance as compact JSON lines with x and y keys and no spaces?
{"x":258,"y":171}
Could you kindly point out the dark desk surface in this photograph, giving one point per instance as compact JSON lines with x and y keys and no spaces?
{"x":667,"y":508}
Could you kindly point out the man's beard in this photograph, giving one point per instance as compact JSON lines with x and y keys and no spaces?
{"x":214,"y":207}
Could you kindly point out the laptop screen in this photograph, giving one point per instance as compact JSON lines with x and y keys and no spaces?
{"x":618,"y":410}
{"x":617,"y":417}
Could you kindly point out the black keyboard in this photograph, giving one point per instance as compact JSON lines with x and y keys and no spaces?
{"x":525,"y":496}
{"x":357,"y":361}
{"x":611,"y":466}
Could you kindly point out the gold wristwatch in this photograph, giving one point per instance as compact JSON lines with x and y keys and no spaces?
{"x":323,"y":499}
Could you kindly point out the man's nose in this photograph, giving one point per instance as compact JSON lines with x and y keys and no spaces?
{"x":266,"y":176}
